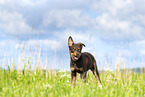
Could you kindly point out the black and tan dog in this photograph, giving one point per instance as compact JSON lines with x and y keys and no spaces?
{"x":81,"y":62}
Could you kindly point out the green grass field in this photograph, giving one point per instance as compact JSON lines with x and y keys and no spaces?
{"x":39,"y":83}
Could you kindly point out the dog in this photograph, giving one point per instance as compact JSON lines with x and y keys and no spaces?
{"x":81,"y":62}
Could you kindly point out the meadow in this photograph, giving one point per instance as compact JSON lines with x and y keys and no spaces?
{"x":53,"y":83}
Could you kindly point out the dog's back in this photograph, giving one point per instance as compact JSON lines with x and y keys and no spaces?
{"x":88,"y":60}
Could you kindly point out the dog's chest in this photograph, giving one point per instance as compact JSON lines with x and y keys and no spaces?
{"x":76,"y":67}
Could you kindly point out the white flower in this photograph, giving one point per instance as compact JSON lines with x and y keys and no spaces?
{"x":100,"y":86}
{"x":107,"y":80}
{"x":63,"y":75}
{"x":49,"y":86}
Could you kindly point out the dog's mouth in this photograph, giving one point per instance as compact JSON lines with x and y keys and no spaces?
{"x":75,"y":58}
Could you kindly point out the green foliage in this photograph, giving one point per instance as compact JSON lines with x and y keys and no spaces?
{"x":46,"y":83}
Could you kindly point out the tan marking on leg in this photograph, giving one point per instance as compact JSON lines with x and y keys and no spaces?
{"x":73,"y":80}
{"x":79,"y":69}
{"x":72,"y":68}
{"x":98,"y":81}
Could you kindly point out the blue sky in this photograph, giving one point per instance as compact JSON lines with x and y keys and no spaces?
{"x":113,"y":29}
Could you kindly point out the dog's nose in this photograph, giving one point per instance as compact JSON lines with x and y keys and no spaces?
{"x":76,"y":53}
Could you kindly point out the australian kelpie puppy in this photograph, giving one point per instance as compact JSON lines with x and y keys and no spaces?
{"x":81,"y":62}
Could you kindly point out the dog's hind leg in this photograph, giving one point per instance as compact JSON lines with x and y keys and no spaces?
{"x":97,"y":76}
{"x":96,"y":73}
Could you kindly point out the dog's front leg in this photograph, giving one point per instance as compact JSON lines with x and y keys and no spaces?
{"x":84,"y":75}
{"x":73,"y":77}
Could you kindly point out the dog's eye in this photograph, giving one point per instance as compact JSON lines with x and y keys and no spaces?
{"x":74,"y":48}
{"x":78,"y":49}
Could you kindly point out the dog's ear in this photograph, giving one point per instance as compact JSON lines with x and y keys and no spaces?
{"x":82,"y":44}
{"x":70,"y":41}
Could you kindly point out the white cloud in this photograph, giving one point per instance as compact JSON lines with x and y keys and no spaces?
{"x":67,"y":19}
{"x":51,"y":44}
{"x":142,"y":52}
{"x":41,"y":44}
{"x":120,"y":20}
{"x":119,"y":29}
{"x":4,"y":43}
{"x":13,"y":23}
{"x":142,"y":42}
{"x":140,"y":45}
{"x":2,"y":1}
{"x":23,"y":2}
{"x":115,"y":19}
{"x":111,"y":6}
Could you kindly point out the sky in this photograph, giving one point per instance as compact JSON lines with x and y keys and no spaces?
{"x":112,"y":30}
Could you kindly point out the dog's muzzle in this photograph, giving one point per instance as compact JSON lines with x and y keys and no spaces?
{"x":75,"y":56}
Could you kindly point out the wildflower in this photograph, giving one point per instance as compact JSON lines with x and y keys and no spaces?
{"x":61,"y":71}
{"x":100,"y":86}
{"x":87,"y":84}
{"x":65,"y":70}
{"x":63,"y":76}
{"x":107,"y":80}
{"x":49,"y":86}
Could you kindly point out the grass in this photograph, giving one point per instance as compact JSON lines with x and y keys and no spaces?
{"x":45,"y":83}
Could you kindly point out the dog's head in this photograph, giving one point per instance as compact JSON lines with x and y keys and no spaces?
{"x":74,"y":49}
